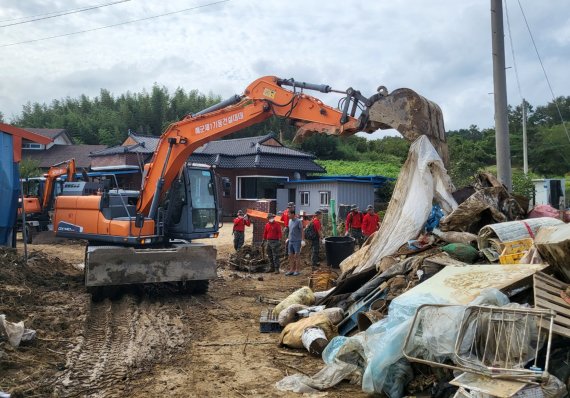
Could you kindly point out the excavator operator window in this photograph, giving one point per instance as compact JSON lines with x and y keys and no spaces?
{"x":203,"y":199}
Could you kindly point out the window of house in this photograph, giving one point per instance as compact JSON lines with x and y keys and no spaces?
{"x":304,"y":198}
{"x":31,"y":145}
{"x":325,"y":198}
{"x":259,"y":187}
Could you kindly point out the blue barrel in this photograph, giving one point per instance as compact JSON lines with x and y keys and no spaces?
{"x":337,"y":248}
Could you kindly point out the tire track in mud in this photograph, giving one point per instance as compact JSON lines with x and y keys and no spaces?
{"x":120,"y":339}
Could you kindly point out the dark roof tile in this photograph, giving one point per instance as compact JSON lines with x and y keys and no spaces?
{"x":61,"y":153}
{"x":50,"y":133}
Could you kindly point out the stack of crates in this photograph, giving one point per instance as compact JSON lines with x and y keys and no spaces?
{"x":514,"y":250}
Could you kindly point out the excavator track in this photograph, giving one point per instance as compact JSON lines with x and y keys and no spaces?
{"x":119,"y":339}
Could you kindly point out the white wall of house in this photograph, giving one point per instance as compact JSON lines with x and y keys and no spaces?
{"x":61,"y":139}
{"x":348,"y":193}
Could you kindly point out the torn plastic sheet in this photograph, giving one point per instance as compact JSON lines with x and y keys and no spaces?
{"x":423,"y":180}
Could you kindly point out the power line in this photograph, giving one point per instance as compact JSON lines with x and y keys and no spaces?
{"x":114,"y":25}
{"x":513,"y":51}
{"x":41,"y":15}
{"x":544,"y":71}
{"x":62,"y":13}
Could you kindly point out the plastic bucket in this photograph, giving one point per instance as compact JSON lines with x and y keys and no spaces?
{"x":337,"y":248}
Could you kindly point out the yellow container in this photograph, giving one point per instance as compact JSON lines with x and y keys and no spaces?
{"x":511,"y":258}
{"x":514,"y":250}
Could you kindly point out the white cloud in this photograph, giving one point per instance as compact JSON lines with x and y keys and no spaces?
{"x":440,"y":49}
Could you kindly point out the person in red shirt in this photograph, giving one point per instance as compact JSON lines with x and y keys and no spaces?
{"x":316,"y":241}
{"x":285,"y":220}
{"x":240,"y":222}
{"x":370,"y":222}
{"x":354,"y":225}
{"x":272,"y":235}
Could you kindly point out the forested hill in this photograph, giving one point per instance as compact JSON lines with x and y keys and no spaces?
{"x":106,"y":119}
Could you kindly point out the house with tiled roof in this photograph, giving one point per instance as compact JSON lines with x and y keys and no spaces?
{"x":59,"y":149}
{"x":249,"y":169}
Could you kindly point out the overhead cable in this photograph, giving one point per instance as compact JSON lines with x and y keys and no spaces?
{"x":60,"y":14}
{"x":544,"y":71}
{"x":114,"y":25}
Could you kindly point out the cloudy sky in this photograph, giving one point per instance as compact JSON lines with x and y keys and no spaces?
{"x":440,"y":48}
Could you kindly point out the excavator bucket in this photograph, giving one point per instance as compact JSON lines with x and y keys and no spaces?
{"x":117,"y":265}
{"x":412,"y":115}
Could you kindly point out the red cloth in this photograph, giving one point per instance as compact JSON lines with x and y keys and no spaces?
{"x":241,"y":223}
{"x":544,"y":211}
{"x":272,"y":231}
{"x":370,"y":224}
{"x":353,"y":220}
{"x":285,"y":218}
{"x":317,"y":225}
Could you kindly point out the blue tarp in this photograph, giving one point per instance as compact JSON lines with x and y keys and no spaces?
{"x":9,"y":189}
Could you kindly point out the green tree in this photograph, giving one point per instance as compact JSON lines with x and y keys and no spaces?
{"x":322,"y":146}
{"x":29,"y":168}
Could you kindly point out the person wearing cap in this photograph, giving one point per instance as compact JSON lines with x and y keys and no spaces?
{"x":272,"y":235}
{"x":354,"y":225}
{"x":294,"y":242}
{"x":240,"y":222}
{"x":285,"y":221}
{"x":316,"y":241}
{"x":370,"y":222}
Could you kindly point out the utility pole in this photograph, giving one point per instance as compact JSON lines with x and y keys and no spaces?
{"x":525,"y":145}
{"x":502,"y":144}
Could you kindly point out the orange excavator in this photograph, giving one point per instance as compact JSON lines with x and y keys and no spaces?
{"x":38,"y":205}
{"x":148,"y":239}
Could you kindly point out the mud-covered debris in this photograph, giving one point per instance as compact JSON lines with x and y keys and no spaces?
{"x":249,"y":259}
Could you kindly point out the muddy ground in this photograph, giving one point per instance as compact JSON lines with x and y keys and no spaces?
{"x":143,"y":344}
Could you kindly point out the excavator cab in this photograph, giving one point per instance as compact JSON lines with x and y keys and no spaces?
{"x":191,"y":207}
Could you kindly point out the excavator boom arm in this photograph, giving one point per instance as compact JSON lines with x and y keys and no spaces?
{"x":262,"y":99}
{"x":57,"y":170}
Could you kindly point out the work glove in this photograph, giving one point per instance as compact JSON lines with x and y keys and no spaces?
{"x":346,"y":233}
{"x":323,"y":241}
{"x":303,"y":243}
{"x":286,"y":241}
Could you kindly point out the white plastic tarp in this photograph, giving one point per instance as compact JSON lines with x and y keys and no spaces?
{"x":423,"y":180}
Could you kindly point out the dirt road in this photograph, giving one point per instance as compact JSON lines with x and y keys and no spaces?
{"x":141,"y":344}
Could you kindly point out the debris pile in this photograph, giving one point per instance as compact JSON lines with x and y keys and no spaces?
{"x":42,"y":304}
{"x":249,"y":259}
{"x":455,"y":294}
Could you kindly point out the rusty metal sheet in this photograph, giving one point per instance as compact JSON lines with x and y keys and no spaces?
{"x":461,"y":285}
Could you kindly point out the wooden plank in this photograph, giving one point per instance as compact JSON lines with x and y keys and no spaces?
{"x":549,"y":288}
{"x":554,"y":299}
{"x":560,"y":330}
{"x":550,"y":280}
{"x":560,"y":319}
